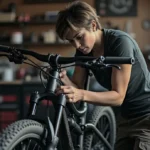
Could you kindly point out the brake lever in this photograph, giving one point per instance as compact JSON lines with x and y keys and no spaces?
{"x":111,"y":65}
{"x":102,"y":65}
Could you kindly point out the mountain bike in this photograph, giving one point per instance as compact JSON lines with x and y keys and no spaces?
{"x":74,"y":127}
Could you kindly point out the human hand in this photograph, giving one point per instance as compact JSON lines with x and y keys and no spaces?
{"x":63,"y":76}
{"x":72,"y":94}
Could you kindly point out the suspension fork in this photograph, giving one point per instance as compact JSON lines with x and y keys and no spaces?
{"x":34,"y":100}
{"x":59,"y":103}
{"x":50,"y":88}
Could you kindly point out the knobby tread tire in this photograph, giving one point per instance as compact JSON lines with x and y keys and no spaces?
{"x":18,"y":129}
{"x":93,"y":117}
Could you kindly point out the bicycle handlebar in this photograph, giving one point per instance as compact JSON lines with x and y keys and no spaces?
{"x":17,"y":55}
{"x":57,"y":59}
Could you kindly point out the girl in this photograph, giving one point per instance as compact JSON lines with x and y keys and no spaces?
{"x":128,"y":87}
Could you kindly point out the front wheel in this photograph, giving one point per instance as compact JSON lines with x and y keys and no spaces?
{"x":22,"y":135}
{"x":104,"y":119}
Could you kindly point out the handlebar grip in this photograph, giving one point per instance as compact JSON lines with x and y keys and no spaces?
{"x":119,"y":60}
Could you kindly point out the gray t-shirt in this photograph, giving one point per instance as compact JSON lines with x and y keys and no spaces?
{"x":137,"y":99}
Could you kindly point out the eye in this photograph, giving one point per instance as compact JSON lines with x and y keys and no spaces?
{"x":70,"y":41}
{"x":79,"y":37}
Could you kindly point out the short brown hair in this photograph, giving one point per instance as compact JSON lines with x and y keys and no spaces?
{"x":77,"y":15}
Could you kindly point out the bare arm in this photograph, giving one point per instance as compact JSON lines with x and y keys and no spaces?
{"x":120,"y":80}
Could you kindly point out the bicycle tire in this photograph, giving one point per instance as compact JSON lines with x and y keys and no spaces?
{"x":19,"y":131}
{"x":94,"y":118}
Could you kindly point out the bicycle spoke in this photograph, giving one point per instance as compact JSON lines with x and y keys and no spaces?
{"x":28,"y":144}
{"x":23,"y":146}
{"x":39,"y":148}
{"x":105,"y":130}
{"x":35,"y":146}
{"x":107,"y":135}
{"x":101,"y":124}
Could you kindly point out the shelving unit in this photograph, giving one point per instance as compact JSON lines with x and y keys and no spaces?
{"x":45,"y":1}
{"x":23,"y":26}
{"x":16,"y":23}
{"x":35,"y":44}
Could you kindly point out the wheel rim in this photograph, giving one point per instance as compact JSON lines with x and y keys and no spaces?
{"x":104,"y":127}
{"x":28,"y":142}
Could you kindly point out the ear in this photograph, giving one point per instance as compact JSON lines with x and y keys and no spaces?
{"x":94,"y":25}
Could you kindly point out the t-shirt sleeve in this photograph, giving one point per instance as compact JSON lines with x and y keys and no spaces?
{"x":123,"y":46}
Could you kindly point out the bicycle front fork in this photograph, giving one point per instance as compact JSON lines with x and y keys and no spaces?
{"x":59,"y":102}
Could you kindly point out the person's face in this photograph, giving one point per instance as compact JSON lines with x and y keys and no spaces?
{"x":83,"y":40}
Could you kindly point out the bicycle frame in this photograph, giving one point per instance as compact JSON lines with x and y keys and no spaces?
{"x":60,"y":101}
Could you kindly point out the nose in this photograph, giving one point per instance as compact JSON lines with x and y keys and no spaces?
{"x":77,"y":44}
